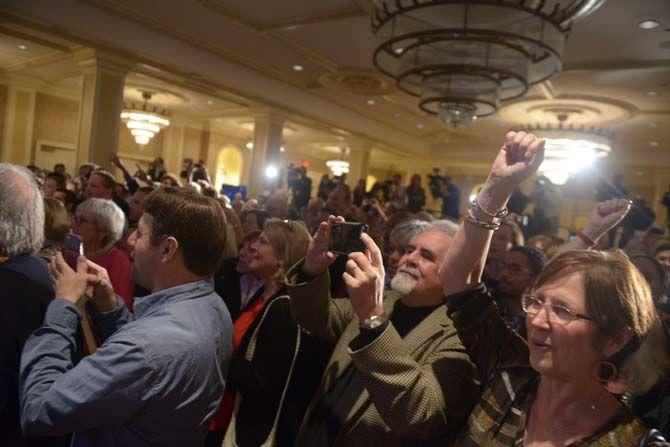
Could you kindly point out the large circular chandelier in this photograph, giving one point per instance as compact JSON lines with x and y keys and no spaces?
{"x":569,"y":149}
{"x":145,"y":122}
{"x":462,"y":57}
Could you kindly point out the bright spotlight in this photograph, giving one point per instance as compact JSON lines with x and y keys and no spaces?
{"x":271,"y":172}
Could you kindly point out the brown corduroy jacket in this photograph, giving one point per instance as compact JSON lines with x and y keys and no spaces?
{"x":419,"y":390}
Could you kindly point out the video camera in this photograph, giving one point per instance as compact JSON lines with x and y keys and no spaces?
{"x":435,"y":181}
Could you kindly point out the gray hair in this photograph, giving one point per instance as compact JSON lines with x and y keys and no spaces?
{"x":107,"y":217}
{"x":448,"y":227}
{"x":21,"y":211}
{"x":404,"y":232}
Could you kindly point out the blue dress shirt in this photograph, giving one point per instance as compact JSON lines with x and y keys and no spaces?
{"x":156,"y":380}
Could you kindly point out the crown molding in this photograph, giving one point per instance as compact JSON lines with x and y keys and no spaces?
{"x":221,"y":89}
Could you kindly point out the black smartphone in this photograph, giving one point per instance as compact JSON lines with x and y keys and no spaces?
{"x":345,"y":237}
{"x":72,"y":248}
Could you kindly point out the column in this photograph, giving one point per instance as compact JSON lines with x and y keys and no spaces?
{"x":268,"y":129}
{"x":207,"y":153}
{"x":101,"y":105}
{"x":173,"y":146}
{"x":661,"y":182}
{"x":359,"y":160}
{"x":17,"y":135}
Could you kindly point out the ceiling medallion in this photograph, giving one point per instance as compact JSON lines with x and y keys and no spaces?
{"x":461,"y":58}
{"x":360,"y":82}
{"x":145,"y":122}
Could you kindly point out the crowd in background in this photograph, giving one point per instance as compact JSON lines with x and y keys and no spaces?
{"x":304,"y":360}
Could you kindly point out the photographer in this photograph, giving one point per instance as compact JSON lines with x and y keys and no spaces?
{"x":451,"y":199}
{"x":300,"y":185}
{"x":416,"y":196}
{"x":396,"y":355}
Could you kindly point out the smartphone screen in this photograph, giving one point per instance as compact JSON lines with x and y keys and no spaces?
{"x":72,"y":248}
{"x":345,"y":237}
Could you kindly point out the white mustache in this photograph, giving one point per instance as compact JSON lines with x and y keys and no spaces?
{"x":410,"y":271}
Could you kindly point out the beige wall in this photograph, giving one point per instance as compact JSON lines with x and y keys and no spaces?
{"x":3,"y":106}
{"x":192,"y":143}
{"x":56,"y":119}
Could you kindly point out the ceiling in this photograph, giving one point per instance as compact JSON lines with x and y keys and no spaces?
{"x":218,"y":60}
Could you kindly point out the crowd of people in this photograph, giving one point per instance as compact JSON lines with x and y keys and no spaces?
{"x":159,"y":311}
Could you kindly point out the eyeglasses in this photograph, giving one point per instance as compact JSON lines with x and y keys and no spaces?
{"x":81,"y":220}
{"x":533,"y":304}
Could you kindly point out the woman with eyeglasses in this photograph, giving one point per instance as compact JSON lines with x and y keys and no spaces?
{"x":100,"y":224}
{"x":592,"y":330}
{"x":275,"y":366}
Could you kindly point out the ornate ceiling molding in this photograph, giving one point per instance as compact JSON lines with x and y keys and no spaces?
{"x":578,"y":110}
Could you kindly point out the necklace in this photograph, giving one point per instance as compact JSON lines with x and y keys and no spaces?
{"x":554,"y":429}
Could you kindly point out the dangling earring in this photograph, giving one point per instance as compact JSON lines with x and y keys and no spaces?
{"x":606,"y":371}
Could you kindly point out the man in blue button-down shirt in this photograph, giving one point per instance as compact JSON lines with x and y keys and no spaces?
{"x":159,"y":375}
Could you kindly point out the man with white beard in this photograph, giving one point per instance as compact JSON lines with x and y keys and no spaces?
{"x":396,"y":355}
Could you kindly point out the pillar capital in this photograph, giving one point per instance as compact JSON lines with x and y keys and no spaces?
{"x":92,"y":61}
{"x":359,"y":144}
{"x":268,"y":115}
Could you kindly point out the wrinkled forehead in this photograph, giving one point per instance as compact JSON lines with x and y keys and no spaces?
{"x":435,"y":241}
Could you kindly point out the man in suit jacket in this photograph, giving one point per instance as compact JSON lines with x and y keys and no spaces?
{"x":25,"y":292}
{"x":397,"y":353}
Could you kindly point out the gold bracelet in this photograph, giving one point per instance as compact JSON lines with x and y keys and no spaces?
{"x":471,"y":219}
{"x":497,"y":215}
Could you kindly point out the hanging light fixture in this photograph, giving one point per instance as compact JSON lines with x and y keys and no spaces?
{"x":461,"y":58}
{"x":570,"y":149}
{"x":338,"y":167}
{"x":145,"y":122}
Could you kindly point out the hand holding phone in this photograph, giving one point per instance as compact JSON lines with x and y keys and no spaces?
{"x":72,"y":249}
{"x":345,"y":237}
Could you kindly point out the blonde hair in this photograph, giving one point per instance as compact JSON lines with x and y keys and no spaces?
{"x":56,"y":220}
{"x":289,"y":239}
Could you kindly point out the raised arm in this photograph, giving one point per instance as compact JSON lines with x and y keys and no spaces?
{"x":132,"y":183}
{"x":604,"y":216}
{"x":518,"y":159}
{"x":308,"y":285}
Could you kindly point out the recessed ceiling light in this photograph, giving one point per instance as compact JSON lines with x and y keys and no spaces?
{"x":210,"y":102}
{"x":298,"y":67}
{"x":653,"y":143}
{"x":282,"y":149}
{"x":398,"y":50}
{"x":652,"y":93}
{"x":475,"y":118}
{"x":22,"y":47}
{"x":250,"y":145}
{"x":371,"y":102}
{"x":419,"y":126}
{"x":648,"y":24}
